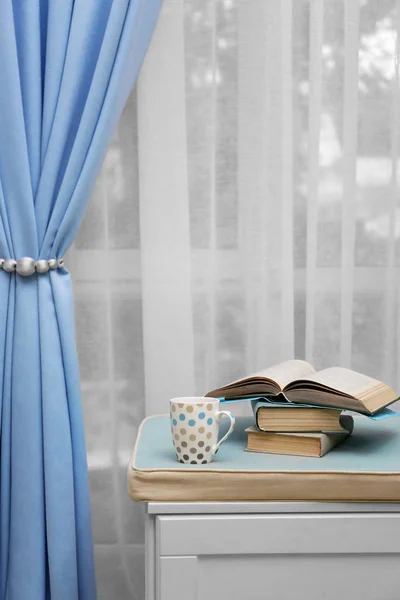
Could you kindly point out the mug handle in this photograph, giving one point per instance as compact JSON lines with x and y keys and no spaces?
{"x":218,"y":417}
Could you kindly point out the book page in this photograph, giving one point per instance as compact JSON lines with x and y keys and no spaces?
{"x":343,"y":380}
{"x":285,"y":372}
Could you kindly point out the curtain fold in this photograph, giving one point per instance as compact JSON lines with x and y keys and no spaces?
{"x":65,"y":71}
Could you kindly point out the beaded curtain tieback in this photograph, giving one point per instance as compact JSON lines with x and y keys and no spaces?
{"x":27,"y":266}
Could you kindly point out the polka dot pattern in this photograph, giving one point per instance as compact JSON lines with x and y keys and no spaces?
{"x":194,"y":429}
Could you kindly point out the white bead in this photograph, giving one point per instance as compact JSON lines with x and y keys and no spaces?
{"x":42,"y":266}
{"x":25,"y":266}
{"x":9,"y":265}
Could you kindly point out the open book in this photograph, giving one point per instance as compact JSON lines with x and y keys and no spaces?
{"x":297,"y":381}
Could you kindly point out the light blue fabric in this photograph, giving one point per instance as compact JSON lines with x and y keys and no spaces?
{"x":371,"y":447}
{"x":260,"y":402}
{"x":66,"y":68}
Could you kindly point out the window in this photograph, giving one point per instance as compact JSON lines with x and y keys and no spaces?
{"x":247,"y":211}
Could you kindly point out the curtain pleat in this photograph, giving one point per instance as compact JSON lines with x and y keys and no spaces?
{"x":15,"y":172}
{"x":287,"y":261}
{"x":28,"y":41}
{"x":350,"y":142}
{"x":65,"y":220}
{"x":314,"y":129}
{"x":55,"y":48}
{"x":391,"y":300}
{"x":164,"y":217}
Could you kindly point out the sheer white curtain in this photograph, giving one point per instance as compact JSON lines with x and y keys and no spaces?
{"x":247,"y":212}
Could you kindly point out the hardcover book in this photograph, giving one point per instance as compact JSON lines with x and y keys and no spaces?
{"x":300,"y":444}
{"x":297,"y":382}
{"x":296,"y":418}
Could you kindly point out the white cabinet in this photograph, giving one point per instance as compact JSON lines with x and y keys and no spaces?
{"x":273,"y":551}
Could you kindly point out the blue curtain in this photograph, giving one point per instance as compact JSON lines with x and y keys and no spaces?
{"x":66,"y":68}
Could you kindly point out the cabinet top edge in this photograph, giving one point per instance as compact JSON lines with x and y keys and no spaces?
{"x":194,"y":508}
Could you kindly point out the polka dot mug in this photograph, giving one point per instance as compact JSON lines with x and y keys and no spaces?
{"x":194,"y":426}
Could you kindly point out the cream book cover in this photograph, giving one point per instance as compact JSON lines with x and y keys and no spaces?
{"x":300,"y":444}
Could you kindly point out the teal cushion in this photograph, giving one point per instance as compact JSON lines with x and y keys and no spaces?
{"x":374,"y":446}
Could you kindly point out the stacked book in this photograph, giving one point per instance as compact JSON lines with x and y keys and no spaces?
{"x":302,"y":430}
{"x":300,"y":411}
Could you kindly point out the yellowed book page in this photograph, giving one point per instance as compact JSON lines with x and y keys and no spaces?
{"x":280,"y":374}
{"x":285,"y":372}
{"x":344,"y":380}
